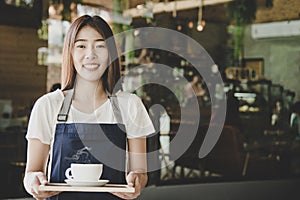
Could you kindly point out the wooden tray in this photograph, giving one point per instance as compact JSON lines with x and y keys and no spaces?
{"x":67,"y":188}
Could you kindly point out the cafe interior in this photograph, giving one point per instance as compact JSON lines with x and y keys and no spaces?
{"x":241,"y":113}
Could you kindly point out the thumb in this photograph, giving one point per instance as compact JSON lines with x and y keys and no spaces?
{"x":131,"y":178}
{"x":42,"y":178}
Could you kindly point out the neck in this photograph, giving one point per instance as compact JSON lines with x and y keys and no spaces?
{"x":89,"y":91}
{"x":88,"y":95}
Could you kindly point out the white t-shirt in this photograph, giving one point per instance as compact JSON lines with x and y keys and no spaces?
{"x":43,"y":118}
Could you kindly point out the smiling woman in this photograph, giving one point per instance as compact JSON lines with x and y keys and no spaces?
{"x":89,"y":121}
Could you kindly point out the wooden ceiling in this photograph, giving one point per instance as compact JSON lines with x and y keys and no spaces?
{"x":213,"y":10}
{"x":134,"y":3}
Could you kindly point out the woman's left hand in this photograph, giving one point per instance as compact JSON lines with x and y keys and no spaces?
{"x":135,"y":179}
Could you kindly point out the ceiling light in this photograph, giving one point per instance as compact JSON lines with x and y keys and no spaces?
{"x":179,"y":27}
{"x":200,"y":23}
{"x":140,"y":6}
{"x":190,"y":24}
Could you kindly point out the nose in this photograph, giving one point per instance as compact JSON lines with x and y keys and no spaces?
{"x":90,"y":54}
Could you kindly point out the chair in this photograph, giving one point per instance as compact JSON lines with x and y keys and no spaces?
{"x":227,"y":158}
{"x":189,"y":159}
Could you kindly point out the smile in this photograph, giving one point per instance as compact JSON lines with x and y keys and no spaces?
{"x":91,"y":66}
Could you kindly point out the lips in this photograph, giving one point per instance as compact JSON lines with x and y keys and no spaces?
{"x":91,"y":66}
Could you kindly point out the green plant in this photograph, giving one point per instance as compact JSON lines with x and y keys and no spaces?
{"x":43,"y":31}
{"x":240,"y":13}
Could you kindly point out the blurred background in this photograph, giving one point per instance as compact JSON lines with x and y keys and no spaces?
{"x":254,"y":44}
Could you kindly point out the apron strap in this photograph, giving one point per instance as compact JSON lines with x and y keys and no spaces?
{"x":116,"y":108}
{"x":117,"y":112}
{"x":64,"y":110}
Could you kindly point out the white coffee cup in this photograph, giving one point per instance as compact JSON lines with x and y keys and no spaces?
{"x":84,"y":172}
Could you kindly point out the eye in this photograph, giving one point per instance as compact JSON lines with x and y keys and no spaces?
{"x":100,"y":46}
{"x":80,"y":46}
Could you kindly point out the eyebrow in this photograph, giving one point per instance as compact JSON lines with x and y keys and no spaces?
{"x":84,"y":40}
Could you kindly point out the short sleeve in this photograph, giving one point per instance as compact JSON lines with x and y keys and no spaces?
{"x":136,"y":118}
{"x":41,"y":123}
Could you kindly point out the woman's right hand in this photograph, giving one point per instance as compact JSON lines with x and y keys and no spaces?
{"x":33,"y":180}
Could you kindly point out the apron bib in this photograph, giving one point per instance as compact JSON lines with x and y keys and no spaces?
{"x":88,"y":143}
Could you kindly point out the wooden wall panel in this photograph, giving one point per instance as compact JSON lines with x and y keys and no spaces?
{"x":21,"y":79}
{"x":279,"y":11}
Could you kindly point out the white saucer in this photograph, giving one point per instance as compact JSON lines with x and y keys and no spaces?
{"x":86,"y":183}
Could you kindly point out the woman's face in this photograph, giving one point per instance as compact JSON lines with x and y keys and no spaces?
{"x":90,"y":54}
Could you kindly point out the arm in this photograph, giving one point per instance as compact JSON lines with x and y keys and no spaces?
{"x":137,"y":159}
{"x":137,"y":176}
{"x":37,"y":157}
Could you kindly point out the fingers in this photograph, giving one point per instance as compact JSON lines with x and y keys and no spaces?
{"x":44,"y":195}
{"x":42,"y":178}
{"x":134,"y":180}
{"x":124,"y":195}
{"x":131,"y":178}
{"x":137,"y":182}
{"x":39,"y":178}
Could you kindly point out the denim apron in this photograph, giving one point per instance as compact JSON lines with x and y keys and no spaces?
{"x":88,"y":143}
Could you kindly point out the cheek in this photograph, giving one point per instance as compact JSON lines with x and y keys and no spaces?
{"x":76,"y":62}
{"x":77,"y":56}
{"x":104,"y":56}
{"x":74,"y":56}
